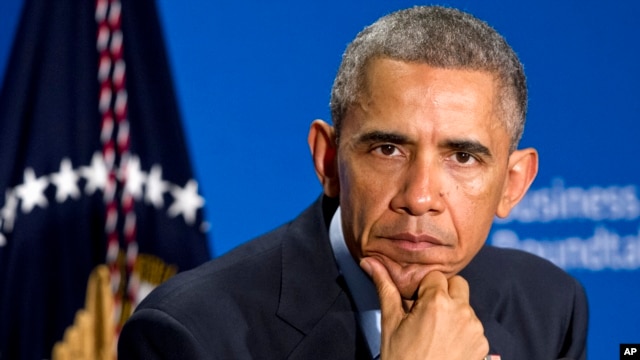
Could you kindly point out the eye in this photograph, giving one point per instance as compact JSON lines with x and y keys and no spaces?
{"x":464,"y":158}
{"x":387,"y":150}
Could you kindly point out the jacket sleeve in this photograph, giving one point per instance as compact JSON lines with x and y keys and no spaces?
{"x":153,"y":334}
{"x":575,"y":343}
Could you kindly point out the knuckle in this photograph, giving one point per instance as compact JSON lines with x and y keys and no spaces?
{"x":459,"y":280}
{"x":438,"y":298}
{"x":434,"y":279}
{"x":459,"y":283}
{"x":484,"y":345}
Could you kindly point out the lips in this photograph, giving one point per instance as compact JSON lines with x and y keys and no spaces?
{"x":414,"y":242}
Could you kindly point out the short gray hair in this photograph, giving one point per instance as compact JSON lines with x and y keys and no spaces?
{"x":440,"y":37}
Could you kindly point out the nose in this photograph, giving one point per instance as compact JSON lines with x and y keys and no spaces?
{"x":421,"y":191}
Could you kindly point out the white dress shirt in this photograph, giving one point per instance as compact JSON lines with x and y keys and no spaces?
{"x":360,"y":285}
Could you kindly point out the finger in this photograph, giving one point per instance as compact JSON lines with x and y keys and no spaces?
{"x":459,"y":288}
{"x":431,"y":284}
{"x":390,"y":300}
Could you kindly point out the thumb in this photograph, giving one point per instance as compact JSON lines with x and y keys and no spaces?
{"x":390,"y":299}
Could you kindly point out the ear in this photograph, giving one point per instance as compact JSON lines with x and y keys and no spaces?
{"x":323,"y":150}
{"x":523,"y":167}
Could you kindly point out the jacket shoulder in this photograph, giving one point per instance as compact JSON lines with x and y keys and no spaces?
{"x":253,"y":265}
{"x":518,"y":295}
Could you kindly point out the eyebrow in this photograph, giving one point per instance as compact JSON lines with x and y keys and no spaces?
{"x":469,"y":146}
{"x":382,"y":136}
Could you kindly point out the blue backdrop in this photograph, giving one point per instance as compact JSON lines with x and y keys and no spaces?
{"x":251,"y":76}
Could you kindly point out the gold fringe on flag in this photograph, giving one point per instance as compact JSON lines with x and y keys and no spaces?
{"x":91,"y":336}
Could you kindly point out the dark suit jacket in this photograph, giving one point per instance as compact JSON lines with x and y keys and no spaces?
{"x":281,"y":296}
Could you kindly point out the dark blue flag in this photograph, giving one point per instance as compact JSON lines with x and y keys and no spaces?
{"x":94,"y":168}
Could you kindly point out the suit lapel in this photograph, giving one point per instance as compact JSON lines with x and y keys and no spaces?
{"x":313,"y":297}
{"x":309,"y":274}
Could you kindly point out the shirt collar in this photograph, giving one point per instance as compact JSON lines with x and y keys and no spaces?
{"x":362,"y":289}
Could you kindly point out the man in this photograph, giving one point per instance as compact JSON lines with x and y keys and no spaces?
{"x":428,"y":107}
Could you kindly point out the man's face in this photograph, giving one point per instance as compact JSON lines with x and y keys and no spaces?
{"x":422,"y":163}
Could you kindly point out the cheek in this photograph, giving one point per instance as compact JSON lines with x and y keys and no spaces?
{"x":365,"y":187}
{"x":364,"y":197}
{"x":473,"y":202}
{"x":481,"y":187}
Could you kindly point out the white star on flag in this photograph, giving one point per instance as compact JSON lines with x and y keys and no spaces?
{"x":156,"y":187}
{"x":187,"y":201}
{"x":31,"y":191}
{"x":134,"y":177}
{"x":65,"y":181}
{"x":96,"y":174}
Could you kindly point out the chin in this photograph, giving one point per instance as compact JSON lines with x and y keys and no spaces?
{"x":407,"y":279}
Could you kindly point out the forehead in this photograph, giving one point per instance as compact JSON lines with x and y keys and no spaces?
{"x":412,"y":96}
{"x":384,"y":75}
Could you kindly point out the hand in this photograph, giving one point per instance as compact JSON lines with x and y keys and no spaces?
{"x":440,"y":323}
